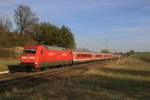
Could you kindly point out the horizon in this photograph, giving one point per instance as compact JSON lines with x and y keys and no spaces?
{"x":97,"y":24}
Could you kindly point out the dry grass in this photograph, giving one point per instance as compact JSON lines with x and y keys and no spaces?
{"x":124,"y":82}
{"x":129,"y":63}
{"x":5,"y":62}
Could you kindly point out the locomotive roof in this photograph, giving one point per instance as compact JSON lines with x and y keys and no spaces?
{"x":54,"y":48}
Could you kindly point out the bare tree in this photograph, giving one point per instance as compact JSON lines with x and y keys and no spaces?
{"x":24,"y":18}
{"x":5,"y":24}
{"x":8,"y":24}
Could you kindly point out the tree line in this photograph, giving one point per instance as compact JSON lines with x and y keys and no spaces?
{"x":29,"y":30}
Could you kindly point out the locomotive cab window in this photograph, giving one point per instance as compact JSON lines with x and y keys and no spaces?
{"x":29,"y":51}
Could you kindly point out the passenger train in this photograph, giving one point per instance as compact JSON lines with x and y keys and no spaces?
{"x":41,"y":56}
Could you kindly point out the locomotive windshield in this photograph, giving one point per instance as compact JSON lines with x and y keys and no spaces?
{"x":29,"y":51}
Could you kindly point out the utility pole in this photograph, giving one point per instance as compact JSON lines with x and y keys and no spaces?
{"x":106,"y":43}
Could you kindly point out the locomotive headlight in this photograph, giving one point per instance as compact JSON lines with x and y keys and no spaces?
{"x":36,"y":63}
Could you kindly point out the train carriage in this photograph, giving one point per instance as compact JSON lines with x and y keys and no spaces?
{"x":82,"y":56}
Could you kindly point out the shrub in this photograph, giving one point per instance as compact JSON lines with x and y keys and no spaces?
{"x":7,"y":53}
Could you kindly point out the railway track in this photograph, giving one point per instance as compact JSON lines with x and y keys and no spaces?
{"x":18,"y":78}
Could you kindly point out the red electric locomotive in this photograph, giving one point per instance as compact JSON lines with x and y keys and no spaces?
{"x":40,"y":56}
{"x":36,"y":57}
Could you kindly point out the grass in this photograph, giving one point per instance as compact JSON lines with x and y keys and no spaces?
{"x":8,"y":61}
{"x":131,"y":64}
{"x":142,"y":56}
{"x":5,"y":62}
{"x":125,"y":79}
{"x":84,"y":87}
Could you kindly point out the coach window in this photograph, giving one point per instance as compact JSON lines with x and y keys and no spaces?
{"x":41,"y":51}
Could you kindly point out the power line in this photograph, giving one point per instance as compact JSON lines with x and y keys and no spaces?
{"x":106,"y":43}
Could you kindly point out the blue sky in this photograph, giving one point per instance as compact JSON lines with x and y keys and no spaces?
{"x":125,"y":24}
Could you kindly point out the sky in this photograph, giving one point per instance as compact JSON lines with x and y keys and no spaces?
{"x":119,"y":25}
